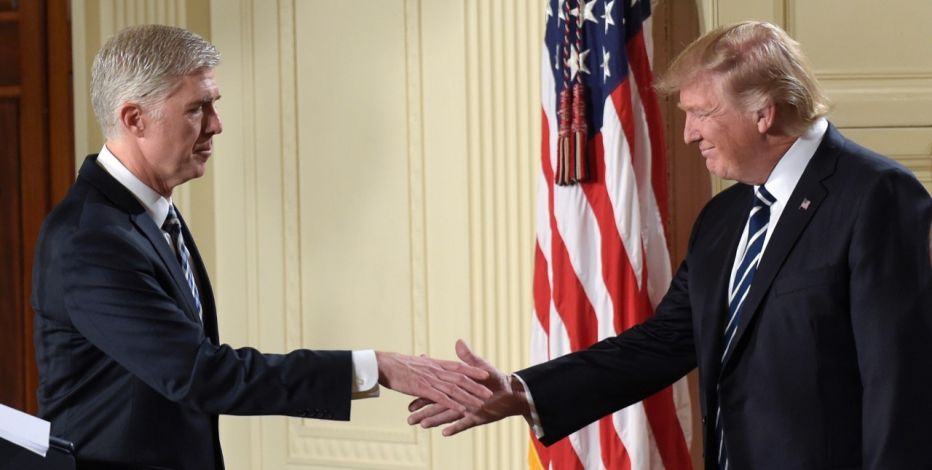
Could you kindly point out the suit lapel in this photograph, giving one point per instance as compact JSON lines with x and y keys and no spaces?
{"x":157,"y":238}
{"x":116,"y":192}
{"x":796,"y":216}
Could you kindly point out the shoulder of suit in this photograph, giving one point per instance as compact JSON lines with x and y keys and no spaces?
{"x":863,"y":165}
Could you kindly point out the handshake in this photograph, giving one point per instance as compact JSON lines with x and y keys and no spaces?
{"x":462,"y":394}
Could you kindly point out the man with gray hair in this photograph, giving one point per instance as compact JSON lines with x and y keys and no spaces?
{"x":805,"y":299}
{"x":130,"y":364}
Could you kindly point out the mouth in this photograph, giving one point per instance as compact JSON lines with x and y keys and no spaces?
{"x":204,"y":150}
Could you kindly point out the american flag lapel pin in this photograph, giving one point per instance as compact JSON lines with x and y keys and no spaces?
{"x":805,"y":204}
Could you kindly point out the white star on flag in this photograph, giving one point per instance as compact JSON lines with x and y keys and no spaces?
{"x":606,"y":71}
{"x":607,"y":16}
{"x":587,"y":7}
{"x":577,"y":62}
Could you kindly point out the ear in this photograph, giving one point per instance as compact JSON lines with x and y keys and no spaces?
{"x":766,"y":116}
{"x":131,"y":119}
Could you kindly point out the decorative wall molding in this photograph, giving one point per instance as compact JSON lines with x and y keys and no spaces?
{"x":503,"y":44}
{"x":118,"y":14}
{"x":321,"y":443}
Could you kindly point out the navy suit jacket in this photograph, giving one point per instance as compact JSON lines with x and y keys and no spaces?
{"x":127,"y":371}
{"x":832,"y":363}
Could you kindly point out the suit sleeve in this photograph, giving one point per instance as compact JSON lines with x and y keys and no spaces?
{"x":572,"y":391}
{"x":891,"y":316}
{"x":118,"y":296}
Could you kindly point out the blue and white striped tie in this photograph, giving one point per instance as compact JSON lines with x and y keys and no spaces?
{"x":758,"y":222}
{"x":172,"y":225}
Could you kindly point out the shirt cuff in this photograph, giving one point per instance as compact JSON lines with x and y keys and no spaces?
{"x":365,"y":375}
{"x":534,"y":421}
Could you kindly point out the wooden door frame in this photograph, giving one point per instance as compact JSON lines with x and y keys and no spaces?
{"x":46,"y":165}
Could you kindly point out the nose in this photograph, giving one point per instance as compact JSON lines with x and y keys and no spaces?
{"x":690,"y":132}
{"x":214,"y":124}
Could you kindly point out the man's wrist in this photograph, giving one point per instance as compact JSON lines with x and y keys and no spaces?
{"x":520,"y":392}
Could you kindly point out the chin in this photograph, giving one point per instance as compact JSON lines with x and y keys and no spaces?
{"x":714,"y":169}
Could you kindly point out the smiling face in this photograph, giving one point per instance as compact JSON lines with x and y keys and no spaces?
{"x":176,"y":138}
{"x":731,"y":140}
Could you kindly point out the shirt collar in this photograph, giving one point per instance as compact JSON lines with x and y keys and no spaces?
{"x":155,"y":204}
{"x":782,"y":180}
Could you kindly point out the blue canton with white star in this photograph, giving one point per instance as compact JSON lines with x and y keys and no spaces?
{"x":603,"y":60}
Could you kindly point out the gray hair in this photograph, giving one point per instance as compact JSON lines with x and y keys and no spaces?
{"x":142,"y":64}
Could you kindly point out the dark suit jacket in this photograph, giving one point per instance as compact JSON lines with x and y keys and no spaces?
{"x":126,"y":370}
{"x":832,"y":364}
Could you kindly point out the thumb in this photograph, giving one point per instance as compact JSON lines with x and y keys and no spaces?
{"x":466,"y":355}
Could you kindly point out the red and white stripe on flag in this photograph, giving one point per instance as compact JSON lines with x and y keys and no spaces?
{"x":601,"y":262}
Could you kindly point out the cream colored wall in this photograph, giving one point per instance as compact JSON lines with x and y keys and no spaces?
{"x":874,"y":60}
{"x":385,"y":162}
{"x":373,"y":191}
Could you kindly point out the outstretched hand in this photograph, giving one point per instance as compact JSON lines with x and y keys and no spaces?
{"x":506,"y":400}
{"x":452,"y":384}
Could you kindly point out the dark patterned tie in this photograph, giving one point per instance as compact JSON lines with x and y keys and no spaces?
{"x":758,"y":222}
{"x":172,"y":225}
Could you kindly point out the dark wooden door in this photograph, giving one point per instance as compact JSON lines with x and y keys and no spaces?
{"x":36,"y":168}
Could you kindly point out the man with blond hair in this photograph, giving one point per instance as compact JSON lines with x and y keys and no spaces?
{"x":131,"y":367}
{"x":805,"y":298}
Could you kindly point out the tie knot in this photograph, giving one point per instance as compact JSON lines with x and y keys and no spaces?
{"x":763,"y":197}
{"x":172,"y":225}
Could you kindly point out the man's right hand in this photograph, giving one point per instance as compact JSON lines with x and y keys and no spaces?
{"x":507,"y":400}
{"x":452,"y":384}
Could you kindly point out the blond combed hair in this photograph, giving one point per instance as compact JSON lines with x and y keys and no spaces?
{"x":141,"y":65}
{"x":756,"y":62}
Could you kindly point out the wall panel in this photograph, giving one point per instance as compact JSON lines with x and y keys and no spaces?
{"x":377,"y":193}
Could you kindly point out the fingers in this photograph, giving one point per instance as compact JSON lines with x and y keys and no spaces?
{"x":430,"y":412}
{"x":433,"y":416}
{"x":442,"y":399}
{"x":465,"y":382}
{"x":472,"y":372}
{"x":460,"y":426}
{"x":462,"y":393}
{"x":441,"y":417}
{"x":417,"y":404}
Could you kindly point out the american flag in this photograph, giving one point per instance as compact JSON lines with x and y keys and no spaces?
{"x":601,"y":263}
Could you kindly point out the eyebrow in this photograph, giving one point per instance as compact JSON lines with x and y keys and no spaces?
{"x":205,"y":99}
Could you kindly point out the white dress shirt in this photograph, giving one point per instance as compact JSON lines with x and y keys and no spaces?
{"x":365,"y":367}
